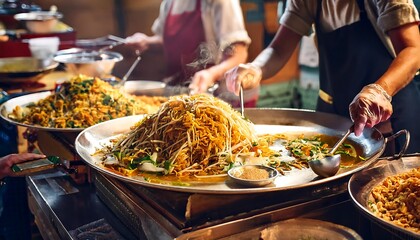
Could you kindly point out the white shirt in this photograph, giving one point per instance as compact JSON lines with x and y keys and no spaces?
{"x":384,"y":15}
{"x":222,"y":19}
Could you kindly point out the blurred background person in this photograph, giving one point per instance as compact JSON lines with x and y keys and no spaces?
{"x":369,"y":53}
{"x":201,"y":40}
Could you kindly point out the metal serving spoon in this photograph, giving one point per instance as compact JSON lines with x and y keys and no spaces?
{"x":241,"y":96}
{"x":125,"y":77}
{"x":330,"y":165}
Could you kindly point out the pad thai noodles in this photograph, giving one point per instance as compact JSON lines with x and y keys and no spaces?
{"x":82,"y":102}
{"x":397,"y":199}
{"x":188,"y":135}
{"x":202,"y":136}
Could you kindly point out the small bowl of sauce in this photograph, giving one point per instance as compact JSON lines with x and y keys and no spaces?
{"x":253,"y":175}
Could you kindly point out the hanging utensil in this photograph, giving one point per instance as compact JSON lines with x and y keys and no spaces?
{"x":124,"y":79}
{"x":118,"y":41}
{"x":330,"y":165}
{"x":241,"y":96}
{"x":115,"y":38}
{"x":111,"y":46}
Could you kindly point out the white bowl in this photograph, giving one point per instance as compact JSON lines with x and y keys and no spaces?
{"x":44,"y":48}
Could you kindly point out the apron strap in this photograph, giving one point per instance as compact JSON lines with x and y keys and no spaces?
{"x":361,"y":5}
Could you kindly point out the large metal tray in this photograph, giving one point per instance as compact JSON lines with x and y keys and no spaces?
{"x":361,"y":184}
{"x":267,"y":121}
{"x":299,"y":228}
{"x":23,"y":69}
{"x":25,"y":100}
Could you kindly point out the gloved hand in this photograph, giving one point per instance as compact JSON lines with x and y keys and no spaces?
{"x":245,"y":75}
{"x":371,"y":106}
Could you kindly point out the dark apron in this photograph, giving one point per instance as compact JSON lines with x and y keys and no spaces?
{"x":354,"y":56}
{"x":183,"y":34}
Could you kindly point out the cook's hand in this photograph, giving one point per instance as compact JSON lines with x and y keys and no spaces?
{"x":248,"y":75}
{"x":7,"y":162}
{"x":201,"y":81}
{"x":138,"y":40}
{"x":370,"y":107}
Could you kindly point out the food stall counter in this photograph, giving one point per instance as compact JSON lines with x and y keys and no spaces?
{"x":65,"y":210}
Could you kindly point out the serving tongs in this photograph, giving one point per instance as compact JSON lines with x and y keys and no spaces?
{"x":118,"y":41}
{"x":41,"y":165}
{"x":241,"y":98}
{"x":110,"y":41}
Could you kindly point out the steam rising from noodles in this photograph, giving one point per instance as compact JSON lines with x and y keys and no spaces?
{"x":188,"y":135}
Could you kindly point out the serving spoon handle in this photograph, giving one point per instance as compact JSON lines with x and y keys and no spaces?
{"x":342,"y":139}
{"x":124,"y":79}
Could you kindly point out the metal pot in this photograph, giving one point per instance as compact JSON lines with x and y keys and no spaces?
{"x":88,"y":62}
{"x":24,"y":69}
{"x":361,"y":184}
{"x":40,"y":21}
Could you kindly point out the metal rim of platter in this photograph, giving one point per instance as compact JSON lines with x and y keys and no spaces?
{"x":361,"y":184}
{"x":24,"y":100}
{"x":82,"y":56}
{"x":35,"y":70}
{"x":270,"y":120}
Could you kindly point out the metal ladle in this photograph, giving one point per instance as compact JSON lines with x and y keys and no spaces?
{"x":124,"y":79}
{"x":241,"y":97}
{"x":330,"y":165}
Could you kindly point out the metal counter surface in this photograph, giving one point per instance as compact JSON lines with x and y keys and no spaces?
{"x":61,"y":206}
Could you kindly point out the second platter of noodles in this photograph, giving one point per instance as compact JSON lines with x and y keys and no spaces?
{"x":77,"y":103}
{"x":191,"y":142}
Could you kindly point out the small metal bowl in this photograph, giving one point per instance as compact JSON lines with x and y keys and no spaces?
{"x":40,"y":21}
{"x":88,"y":62}
{"x":253,"y":175}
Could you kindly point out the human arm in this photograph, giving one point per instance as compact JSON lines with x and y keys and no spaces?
{"x":371,"y":105}
{"x":142,"y":42}
{"x":8,"y":161}
{"x":223,"y":24}
{"x":235,"y":54}
{"x":266,"y":64}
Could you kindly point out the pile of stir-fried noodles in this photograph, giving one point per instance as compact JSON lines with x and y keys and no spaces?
{"x":397,"y":199}
{"x":82,"y":102}
{"x":203,"y":136}
{"x":187,"y":135}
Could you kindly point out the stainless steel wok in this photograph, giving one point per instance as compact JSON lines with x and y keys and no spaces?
{"x":267,"y":121}
{"x":361,"y":184}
